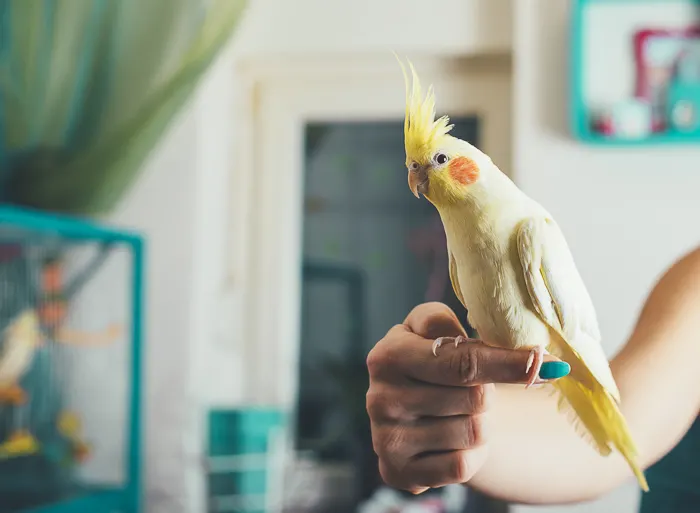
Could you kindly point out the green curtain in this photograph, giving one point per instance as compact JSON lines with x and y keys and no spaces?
{"x":88,"y":87}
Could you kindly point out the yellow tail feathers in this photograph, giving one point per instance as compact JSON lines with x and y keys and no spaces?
{"x":602,"y":421}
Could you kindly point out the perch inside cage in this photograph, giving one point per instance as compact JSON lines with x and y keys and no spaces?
{"x":43,"y":347}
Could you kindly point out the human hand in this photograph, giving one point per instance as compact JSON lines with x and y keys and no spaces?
{"x":428,"y":413}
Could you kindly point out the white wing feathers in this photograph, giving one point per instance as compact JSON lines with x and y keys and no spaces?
{"x":560,"y":296}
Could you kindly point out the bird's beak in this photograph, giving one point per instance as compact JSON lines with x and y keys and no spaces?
{"x":418,"y":181}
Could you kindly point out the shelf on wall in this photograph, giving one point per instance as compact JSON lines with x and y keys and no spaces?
{"x":637,"y":82}
{"x":590,"y":137}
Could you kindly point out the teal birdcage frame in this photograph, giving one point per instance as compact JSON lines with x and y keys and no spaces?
{"x":580,"y":120}
{"x":20,"y":226}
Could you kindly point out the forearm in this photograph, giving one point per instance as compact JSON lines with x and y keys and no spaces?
{"x":543,"y":460}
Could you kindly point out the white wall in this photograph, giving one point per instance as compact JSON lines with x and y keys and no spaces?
{"x":627,"y":213}
{"x":305,"y":27}
{"x":180,"y":203}
{"x":162,"y":207}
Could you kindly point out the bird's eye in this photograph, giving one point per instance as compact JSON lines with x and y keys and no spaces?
{"x":413,"y":166}
{"x":441,"y":159}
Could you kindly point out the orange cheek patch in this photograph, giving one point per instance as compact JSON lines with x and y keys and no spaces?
{"x":464,"y":170}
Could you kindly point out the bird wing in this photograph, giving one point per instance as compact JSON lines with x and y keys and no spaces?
{"x":18,"y":347}
{"x":560,"y":296}
{"x":454,"y":278}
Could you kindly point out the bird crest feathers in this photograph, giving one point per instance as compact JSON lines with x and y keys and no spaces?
{"x":423,"y":134}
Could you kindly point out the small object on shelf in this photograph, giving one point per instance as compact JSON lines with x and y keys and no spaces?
{"x":684,"y":115}
{"x":627,"y":120}
{"x":683,"y":102}
{"x":659,"y":56}
{"x":603,"y":123}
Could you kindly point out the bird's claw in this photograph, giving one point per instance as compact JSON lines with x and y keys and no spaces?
{"x":437,"y":344}
{"x":533,"y":366}
{"x":439,"y":341}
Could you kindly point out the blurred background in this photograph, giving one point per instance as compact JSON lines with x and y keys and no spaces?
{"x":256,"y":150}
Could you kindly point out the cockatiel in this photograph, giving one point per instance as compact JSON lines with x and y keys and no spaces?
{"x":512,"y":269}
{"x":22,"y":337}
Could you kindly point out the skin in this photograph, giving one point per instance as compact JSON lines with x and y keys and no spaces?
{"x":438,"y":421}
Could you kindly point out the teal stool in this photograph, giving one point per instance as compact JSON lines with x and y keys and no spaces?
{"x":674,"y":481}
{"x":240,"y":459}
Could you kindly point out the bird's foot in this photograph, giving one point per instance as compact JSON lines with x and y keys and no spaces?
{"x":534,"y":364}
{"x":20,"y":443}
{"x":13,"y":395}
{"x":438,"y":342}
{"x":81,"y":451}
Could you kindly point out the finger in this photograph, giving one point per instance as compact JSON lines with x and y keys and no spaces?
{"x":440,"y":401}
{"x":433,"y":320}
{"x":408,"y":440}
{"x":444,"y":434}
{"x":472,"y":363}
{"x":456,"y":467}
{"x":410,"y":402}
{"x":434,"y":470}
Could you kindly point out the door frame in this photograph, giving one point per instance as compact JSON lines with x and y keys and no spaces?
{"x":276,"y":97}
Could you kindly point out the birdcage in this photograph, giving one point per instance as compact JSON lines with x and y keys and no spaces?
{"x":70,"y":315}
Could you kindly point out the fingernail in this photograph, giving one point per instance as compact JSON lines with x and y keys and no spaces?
{"x":554,"y":370}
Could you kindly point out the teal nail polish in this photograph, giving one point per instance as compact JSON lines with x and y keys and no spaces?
{"x":554,"y":370}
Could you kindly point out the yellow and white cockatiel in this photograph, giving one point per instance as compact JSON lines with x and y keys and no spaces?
{"x":512,"y":269}
{"x":21,"y":338}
